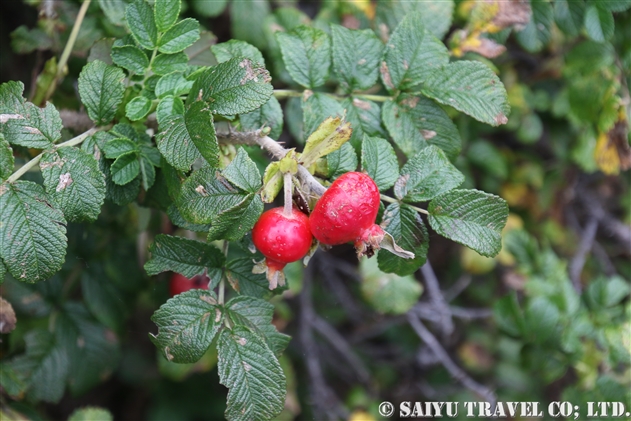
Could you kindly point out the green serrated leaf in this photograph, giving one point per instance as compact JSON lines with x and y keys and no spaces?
{"x":140,"y":20}
{"x":91,"y":414}
{"x":380,"y":162}
{"x":269,"y":115}
{"x":174,"y":84}
{"x":103,"y":299}
{"x":236,"y":86}
{"x":470,"y":217}
{"x":415,"y":121}
{"x":508,"y":315}
{"x":179,"y":37}
{"x":239,"y":273}
{"x":427,"y":175}
{"x":259,"y":314}
{"x":365,"y":119}
{"x":541,"y":317}
{"x":537,"y":33}
{"x":412,"y":55}
{"x":207,"y":193}
{"x":44,"y":367}
{"x":73,"y":179}
{"x":125,"y":168}
{"x":121,"y":195}
{"x":201,"y":130}
{"x":138,"y":108}
{"x":409,"y":232}
{"x":187,"y":325}
{"x":147,"y":172}
{"x":388,"y":293}
{"x":569,"y":16}
{"x":34,"y":127}
{"x":101,"y":89}
{"x":32,"y":234}
{"x":114,"y":148}
{"x":330,"y":135}
{"x":11,"y":99}
{"x":236,"y":48}
{"x":93,"y":350}
{"x":25,"y":40}
{"x":184,"y":256}
{"x":168,"y":63}
{"x":436,"y":14}
{"x":341,"y":161}
{"x":243,"y":172}
{"x":232,"y":224}
{"x":7,"y":161}
{"x":166,"y":13}
{"x":599,"y":23}
{"x":178,"y":220}
{"x":131,"y":58}
{"x":356,"y":57}
{"x":175,"y":143}
{"x":317,"y":108}
{"x":470,"y":87}
{"x":114,"y":10}
{"x":252,"y":373}
{"x":307,"y":55}
{"x":10,"y":381}
{"x":169,"y":106}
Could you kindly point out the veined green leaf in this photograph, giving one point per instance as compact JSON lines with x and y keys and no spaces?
{"x":35,"y":127}
{"x":436,"y":14}
{"x":470,"y":87}
{"x":200,"y":128}
{"x":415,"y":121}
{"x":599,"y":23}
{"x":125,"y":168}
{"x":258,"y":313}
{"x":184,"y":256}
{"x":32,"y":234}
{"x":169,"y":106}
{"x":142,"y":24}
{"x":166,"y":13}
{"x":249,"y":26}
{"x":307,"y":55}
{"x":233,"y":223}
{"x":412,"y":55}
{"x":409,"y":232}
{"x":205,"y":194}
{"x":236,"y":48}
{"x":365,"y":119}
{"x":168,"y":63}
{"x":187,"y":324}
{"x":243,"y":172}
{"x":316,"y":108}
{"x":138,"y":108}
{"x":6,"y":159}
{"x":470,"y":217}
{"x":236,"y":86}
{"x":341,"y":161}
{"x":252,"y":373}
{"x":174,"y":84}
{"x":131,"y":58}
{"x":239,"y":273}
{"x":380,"y":162}
{"x":114,"y":148}
{"x":179,"y":37}
{"x":356,"y":56}
{"x":101,"y":89}
{"x":426,"y":175}
{"x":73,"y":179}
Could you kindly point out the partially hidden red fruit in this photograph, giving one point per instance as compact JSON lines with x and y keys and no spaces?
{"x":180,"y":283}
{"x":282,"y":239}
{"x":347,"y":212}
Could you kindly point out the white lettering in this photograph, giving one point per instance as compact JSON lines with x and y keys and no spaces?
{"x":404,"y":409}
{"x":470,"y":408}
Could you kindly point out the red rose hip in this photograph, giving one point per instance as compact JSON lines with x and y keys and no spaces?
{"x":282,"y":239}
{"x":347,"y":210}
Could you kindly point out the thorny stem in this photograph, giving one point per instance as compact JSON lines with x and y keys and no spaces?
{"x":65,"y":55}
{"x":288,"y":186}
{"x":288,"y":93}
{"x":72,"y":142}
{"x":392,"y":200}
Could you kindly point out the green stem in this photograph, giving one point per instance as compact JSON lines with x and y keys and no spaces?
{"x":65,"y":55}
{"x":288,"y":93}
{"x":72,"y":142}
{"x":392,"y":200}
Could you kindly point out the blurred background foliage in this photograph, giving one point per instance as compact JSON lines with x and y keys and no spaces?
{"x":546,"y":320}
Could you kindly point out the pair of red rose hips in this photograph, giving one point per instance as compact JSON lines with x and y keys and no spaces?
{"x":345,"y":212}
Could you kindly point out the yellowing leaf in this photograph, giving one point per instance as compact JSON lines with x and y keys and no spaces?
{"x":359,"y":415}
{"x":475,"y":263}
{"x":606,"y":155}
{"x":328,"y":137}
{"x":272,"y":182}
